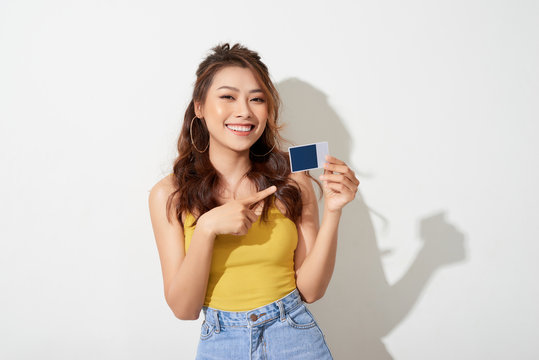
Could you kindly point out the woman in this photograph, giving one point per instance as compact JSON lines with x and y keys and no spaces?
{"x":243,"y":243}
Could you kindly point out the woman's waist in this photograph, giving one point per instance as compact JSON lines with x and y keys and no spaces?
{"x":289,"y":301}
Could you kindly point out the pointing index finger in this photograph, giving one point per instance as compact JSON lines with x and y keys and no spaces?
{"x":259,"y":195}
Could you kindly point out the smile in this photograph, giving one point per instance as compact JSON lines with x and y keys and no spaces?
{"x":241,"y":130}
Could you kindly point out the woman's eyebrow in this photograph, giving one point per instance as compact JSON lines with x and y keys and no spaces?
{"x":235,"y":89}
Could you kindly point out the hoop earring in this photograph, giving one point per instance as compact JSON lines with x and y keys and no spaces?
{"x":191,"y":133}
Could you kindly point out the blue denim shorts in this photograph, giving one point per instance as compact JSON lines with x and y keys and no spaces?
{"x":282,"y":330}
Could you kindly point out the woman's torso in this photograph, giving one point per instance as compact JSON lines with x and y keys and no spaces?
{"x":255,"y":269}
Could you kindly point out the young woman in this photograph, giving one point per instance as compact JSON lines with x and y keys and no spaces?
{"x":238,"y":234}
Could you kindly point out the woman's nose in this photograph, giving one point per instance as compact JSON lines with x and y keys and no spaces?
{"x":243,"y":108}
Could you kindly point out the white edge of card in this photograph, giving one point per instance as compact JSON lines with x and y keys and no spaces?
{"x":322,"y":150}
{"x":302,"y":145}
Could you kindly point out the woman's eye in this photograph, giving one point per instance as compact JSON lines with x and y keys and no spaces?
{"x":260,"y":100}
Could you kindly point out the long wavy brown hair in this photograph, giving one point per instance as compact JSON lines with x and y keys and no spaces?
{"x":195,"y":179}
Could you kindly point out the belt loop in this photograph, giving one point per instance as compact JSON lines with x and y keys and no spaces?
{"x":281,"y":310}
{"x":216,"y":319}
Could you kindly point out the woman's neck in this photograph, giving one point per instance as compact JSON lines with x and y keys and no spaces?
{"x":231,"y":167}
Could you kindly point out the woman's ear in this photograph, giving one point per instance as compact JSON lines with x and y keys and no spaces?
{"x":198,"y":109}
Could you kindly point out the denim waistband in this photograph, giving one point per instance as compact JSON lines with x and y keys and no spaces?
{"x":251,"y":318}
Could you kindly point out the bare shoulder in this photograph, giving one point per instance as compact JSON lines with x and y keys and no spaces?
{"x":306,"y":187}
{"x":165,"y":184}
{"x":300,"y":177}
{"x":160,"y":193}
{"x":162,"y":189}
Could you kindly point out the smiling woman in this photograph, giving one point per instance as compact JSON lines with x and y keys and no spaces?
{"x":244,"y":245}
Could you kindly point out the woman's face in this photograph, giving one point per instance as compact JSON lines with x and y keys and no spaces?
{"x":235,"y":109}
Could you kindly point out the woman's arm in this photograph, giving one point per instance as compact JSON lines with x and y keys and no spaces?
{"x":317,"y":246}
{"x":185,"y":277}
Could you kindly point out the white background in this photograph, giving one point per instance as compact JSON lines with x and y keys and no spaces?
{"x":433,"y":104}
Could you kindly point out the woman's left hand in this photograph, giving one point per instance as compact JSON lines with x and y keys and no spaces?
{"x":340,"y":188}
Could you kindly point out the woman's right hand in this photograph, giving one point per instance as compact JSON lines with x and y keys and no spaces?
{"x":236,"y":216}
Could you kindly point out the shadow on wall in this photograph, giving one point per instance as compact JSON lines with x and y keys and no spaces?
{"x":360,"y":307}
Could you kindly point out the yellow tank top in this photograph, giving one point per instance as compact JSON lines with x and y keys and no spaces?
{"x":251,"y":270}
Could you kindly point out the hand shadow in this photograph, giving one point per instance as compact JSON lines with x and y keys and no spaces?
{"x":360,"y":307}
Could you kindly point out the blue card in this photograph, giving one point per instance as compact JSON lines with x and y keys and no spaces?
{"x":308,"y":157}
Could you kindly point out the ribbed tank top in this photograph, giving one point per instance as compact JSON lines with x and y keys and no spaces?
{"x":252,"y":270}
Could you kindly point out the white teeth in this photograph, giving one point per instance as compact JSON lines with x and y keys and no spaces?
{"x":239,"y":128}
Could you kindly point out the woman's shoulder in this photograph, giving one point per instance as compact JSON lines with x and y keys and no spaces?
{"x":164,"y":187}
{"x":301,"y":178}
{"x":162,"y":190}
{"x":305,"y":185}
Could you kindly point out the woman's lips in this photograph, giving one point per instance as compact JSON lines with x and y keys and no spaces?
{"x":240,"y":133}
